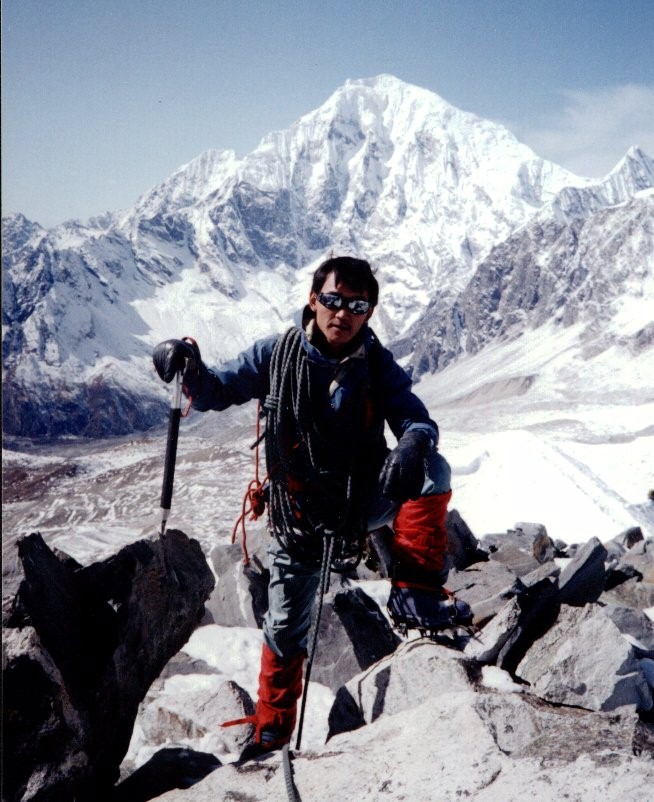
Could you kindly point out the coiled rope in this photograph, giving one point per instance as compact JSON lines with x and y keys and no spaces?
{"x":294,"y":443}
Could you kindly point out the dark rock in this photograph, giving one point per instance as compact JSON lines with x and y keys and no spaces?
{"x":643,"y":738}
{"x":463,"y":546}
{"x":530,"y":538}
{"x":531,"y":606}
{"x":377,"y":557}
{"x":542,"y":545}
{"x":488,"y":643}
{"x":640,"y":558}
{"x":614,"y":552}
{"x":616,"y":576}
{"x":517,"y":560}
{"x":585,"y":661}
{"x":353,"y":634}
{"x":539,"y":608}
{"x":625,"y":542}
{"x":492,"y":541}
{"x":630,"y":537}
{"x":172,"y":767}
{"x":485,"y":586}
{"x":548,"y":569}
{"x":635,"y":626}
{"x":583,"y":579}
{"x":634,"y":592}
{"x":82,"y":646}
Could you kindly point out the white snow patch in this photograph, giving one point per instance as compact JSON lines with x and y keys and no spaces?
{"x":499,"y":680}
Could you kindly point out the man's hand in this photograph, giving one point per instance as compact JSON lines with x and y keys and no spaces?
{"x":403,"y":473}
{"x":171,"y":356}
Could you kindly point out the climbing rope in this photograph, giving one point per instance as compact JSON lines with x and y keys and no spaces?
{"x":291,"y":790}
{"x":295,"y":443}
{"x":254,"y":501}
{"x":323,"y":586}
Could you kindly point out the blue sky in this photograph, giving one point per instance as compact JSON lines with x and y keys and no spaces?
{"x":102,"y":100}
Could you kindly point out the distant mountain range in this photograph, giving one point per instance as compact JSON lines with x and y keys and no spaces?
{"x":474,"y":237}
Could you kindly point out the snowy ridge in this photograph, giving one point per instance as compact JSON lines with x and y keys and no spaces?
{"x":222,"y":250}
{"x":633,"y":174}
{"x":593,"y":267}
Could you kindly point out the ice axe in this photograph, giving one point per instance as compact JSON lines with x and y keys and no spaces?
{"x":171,"y":451}
{"x":171,"y":442}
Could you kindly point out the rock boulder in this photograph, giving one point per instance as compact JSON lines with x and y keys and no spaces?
{"x":82,"y":645}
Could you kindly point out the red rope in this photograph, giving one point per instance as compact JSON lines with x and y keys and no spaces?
{"x":254,"y":504}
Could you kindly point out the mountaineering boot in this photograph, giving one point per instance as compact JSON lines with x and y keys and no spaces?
{"x":419,"y":549}
{"x":280,"y":687}
{"x":429,"y":610}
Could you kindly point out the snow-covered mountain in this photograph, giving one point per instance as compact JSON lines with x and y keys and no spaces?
{"x":593,"y":268}
{"x":223,"y":249}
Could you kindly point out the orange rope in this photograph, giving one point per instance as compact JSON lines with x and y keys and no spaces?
{"x":254,"y":504}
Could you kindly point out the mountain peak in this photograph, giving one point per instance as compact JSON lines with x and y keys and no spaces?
{"x":391,"y":92}
{"x":631,"y":175}
{"x":384,"y":83}
{"x":188,"y":185}
{"x":637,"y":167}
{"x":222,"y":249}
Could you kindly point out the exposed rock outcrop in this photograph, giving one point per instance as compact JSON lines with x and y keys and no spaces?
{"x":556,"y":687}
{"x":82,"y":645}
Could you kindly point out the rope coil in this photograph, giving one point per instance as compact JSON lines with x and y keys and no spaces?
{"x":254,"y":500}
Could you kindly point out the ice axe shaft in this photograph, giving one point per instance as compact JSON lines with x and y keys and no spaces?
{"x":171,"y":451}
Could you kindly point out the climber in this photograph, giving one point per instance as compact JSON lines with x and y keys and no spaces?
{"x":328,"y":387}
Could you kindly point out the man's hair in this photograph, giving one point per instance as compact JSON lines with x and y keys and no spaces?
{"x":355,"y":273}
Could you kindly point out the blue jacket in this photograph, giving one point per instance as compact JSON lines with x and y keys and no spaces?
{"x":248,"y":377}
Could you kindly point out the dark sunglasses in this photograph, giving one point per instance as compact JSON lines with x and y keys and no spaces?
{"x":335,"y":301}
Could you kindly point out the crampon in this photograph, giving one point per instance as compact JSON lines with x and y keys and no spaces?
{"x":433,"y":614}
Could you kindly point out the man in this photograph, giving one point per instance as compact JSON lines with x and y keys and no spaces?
{"x":328,"y":387}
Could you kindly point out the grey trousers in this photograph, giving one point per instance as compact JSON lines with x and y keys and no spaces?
{"x":293,"y":585}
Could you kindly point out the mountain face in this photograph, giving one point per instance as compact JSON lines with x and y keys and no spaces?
{"x":451,"y":209}
{"x":595,"y":269}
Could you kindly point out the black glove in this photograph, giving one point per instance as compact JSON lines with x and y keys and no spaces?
{"x":403,"y":473}
{"x":171,"y":356}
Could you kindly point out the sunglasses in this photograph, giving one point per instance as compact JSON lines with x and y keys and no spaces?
{"x":335,"y":301}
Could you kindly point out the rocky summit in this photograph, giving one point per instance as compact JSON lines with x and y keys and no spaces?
{"x":549,"y":695}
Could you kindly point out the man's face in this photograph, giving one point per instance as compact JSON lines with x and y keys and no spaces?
{"x":338,"y":326}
